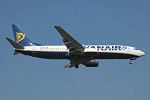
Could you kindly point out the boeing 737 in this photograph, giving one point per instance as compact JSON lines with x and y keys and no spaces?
{"x":71,"y":50}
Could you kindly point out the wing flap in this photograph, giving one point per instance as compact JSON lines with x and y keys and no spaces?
{"x":69,"y":41}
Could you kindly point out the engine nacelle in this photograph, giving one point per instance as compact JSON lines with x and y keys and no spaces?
{"x":92,"y":63}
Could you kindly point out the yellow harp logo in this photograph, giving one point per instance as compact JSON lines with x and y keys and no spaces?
{"x":19,"y":37}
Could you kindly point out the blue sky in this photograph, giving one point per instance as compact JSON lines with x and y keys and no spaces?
{"x":124,"y":22}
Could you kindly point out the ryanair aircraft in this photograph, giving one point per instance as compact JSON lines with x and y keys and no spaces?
{"x":71,"y":50}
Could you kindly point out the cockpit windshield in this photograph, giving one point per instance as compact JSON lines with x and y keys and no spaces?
{"x":135,"y":49}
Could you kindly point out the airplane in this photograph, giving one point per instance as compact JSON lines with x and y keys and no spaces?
{"x":71,"y":49}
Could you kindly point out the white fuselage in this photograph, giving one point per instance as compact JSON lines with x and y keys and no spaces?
{"x":95,"y":51}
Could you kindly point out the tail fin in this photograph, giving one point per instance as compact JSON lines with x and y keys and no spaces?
{"x":20,"y":37}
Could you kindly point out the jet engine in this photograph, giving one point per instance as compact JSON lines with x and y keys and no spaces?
{"x":92,"y":63}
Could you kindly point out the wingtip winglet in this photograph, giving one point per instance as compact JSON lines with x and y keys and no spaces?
{"x":56,"y":25}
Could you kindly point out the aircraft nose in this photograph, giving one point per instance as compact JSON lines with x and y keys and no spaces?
{"x":142,"y":53}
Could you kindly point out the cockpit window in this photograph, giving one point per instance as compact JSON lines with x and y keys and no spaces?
{"x":135,"y":49}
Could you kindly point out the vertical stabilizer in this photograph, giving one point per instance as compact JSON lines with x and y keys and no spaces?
{"x":20,"y":37}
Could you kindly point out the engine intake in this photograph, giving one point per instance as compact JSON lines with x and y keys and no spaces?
{"x":92,"y":63}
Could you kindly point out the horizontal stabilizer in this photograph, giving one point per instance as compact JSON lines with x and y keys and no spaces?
{"x":14,"y":44}
{"x":15,"y":53}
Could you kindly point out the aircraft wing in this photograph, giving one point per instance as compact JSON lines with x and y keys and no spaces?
{"x":74,"y":46}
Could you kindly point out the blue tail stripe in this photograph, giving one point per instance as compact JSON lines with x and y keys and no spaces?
{"x":20,"y":37}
